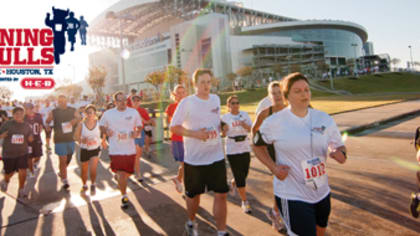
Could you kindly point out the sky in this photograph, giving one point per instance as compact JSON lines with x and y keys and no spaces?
{"x":392,"y":25}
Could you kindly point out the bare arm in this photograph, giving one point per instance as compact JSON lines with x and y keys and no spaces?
{"x":280,"y":171}
{"x":257,"y":124}
{"x":338,"y":154}
{"x":198,"y":134}
{"x":78,"y":133}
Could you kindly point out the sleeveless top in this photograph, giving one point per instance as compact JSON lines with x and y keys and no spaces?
{"x":93,"y":137}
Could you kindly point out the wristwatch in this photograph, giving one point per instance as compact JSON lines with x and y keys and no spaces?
{"x":344,"y":153}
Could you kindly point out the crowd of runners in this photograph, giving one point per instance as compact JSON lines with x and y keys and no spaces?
{"x":292,"y":139}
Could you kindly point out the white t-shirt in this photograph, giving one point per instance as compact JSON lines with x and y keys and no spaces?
{"x":263,"y":104}
{"x":194,"y":113}
{"x":122,"y":123}
{"x":235,"y":129}
{"x":44,"y":113}
{"x":291,"y":136}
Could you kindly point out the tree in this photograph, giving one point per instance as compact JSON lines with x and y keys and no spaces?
{"x":395,"y":62}
{"x":6,"y":93}
{"x":156,"y":78}
{"x":245,"y":72}
{"x":73,"y":90}
{"x":231,"y":77}
{"x":96,"y":80}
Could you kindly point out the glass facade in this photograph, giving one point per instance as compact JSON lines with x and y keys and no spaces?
{"x":338,"y":43}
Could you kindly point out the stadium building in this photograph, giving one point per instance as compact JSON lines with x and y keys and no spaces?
{"x":142,"y":36}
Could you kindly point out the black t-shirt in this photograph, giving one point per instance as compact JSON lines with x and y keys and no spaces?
{"x":16,"y":142}
{"x":63,"y":130}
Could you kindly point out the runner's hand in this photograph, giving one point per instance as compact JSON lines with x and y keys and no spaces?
{"x":84,"y":140}
{"x":281,"y":171}
{"x":202,"y":134}
{"x":104,"y":144}
{"x":4,"y":135}
{"x":109,"y":132}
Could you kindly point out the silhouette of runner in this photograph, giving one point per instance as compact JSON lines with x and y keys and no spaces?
{"x":82,"y":30}
{"x":59,"y":27}
{"x":72,"y":26}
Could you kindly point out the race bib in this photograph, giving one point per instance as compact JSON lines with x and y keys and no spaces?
{"x":212,"y":136}
{"x":148,"y":128}
{"x":314,"y":172}
{"x":66,"y":127}
{"x":58,"y":27}
{"x":29,"y":150}
{"x":18,"y":139}
{"x":92,"y":143}
{"x":122,"y":136}
{"x":71,"y":26}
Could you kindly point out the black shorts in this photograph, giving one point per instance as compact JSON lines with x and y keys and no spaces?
{"x":197,"y":178}
{"x":302,"y":218}
{"x":239,"y":163}
{"x":14,"y":164}
{"x":148,"y":133}
{"x":35,"y":149}
{"x":85,"y":154}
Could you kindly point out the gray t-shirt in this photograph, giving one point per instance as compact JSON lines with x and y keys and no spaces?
{"x":15,"y":144}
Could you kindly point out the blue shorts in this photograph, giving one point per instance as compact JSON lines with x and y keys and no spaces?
{"x":178,"y":150}
{"x":64,"y":149}
{"x":140,"y":141}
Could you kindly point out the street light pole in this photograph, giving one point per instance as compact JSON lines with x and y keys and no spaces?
{"x":122,"y":59}
{"x":411,"y":56}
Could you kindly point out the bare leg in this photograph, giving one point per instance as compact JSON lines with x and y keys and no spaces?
{"x":180,"y":176}
{"x":242,"y":193}
{"x":220,"y":210}
{"x":31,"y":165}
{"x":93,"y":164}
{"x":320,"y":231}
{"x":137,"y":161}
{"x":85,"y":166}
{"x":192,"y":206}
{"x":122,"y":181}
{"x":22,"y":178}
{"x":63,"y":167}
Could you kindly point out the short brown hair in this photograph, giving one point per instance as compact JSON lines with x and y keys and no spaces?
{"x":199,"y":72}
{"x":230,"y":98}
{"x":116,"y":94}
{"x":289,"y":80}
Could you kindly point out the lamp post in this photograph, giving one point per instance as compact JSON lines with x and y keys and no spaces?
{"x":354,"y":45}
{"x":124,"y":53}
{"x":411,"y":57}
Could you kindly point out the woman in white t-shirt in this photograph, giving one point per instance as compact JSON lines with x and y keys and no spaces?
{"x":88,"y":135}
{"x":236,"y":126}
{"x":303,"y":138}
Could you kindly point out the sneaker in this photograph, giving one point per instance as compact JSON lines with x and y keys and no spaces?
{"x":178,"y":185}
{"x":66,"y":186}
{"x":4,"y":185}
{"x":92,"y":189}
{"x":223,"y":234}
{"x":275,"y":220}
{"x":414,"y":205}
{"x":191,"y":230}
{"x":84,"y":189}
{"x":31,"y":174}
{"x":124,"y":203}
{"x":22,"y":194}
{"x":246,"y":207}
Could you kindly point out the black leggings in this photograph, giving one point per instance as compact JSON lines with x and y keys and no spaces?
{"x":239,"y":163}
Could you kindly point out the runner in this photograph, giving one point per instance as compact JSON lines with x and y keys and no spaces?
{"x":35,"y":148}
{"x":303,"y":138}
{"x":263,"y":104}
{"x":177,"y":144}
{"x":139,"y":140}
{"x":130,"y":98}
{"x":276,"y":98}
{"x":415,"y":197}
{"x":121,"y":124}
{"x":88,"y":135}
{"x":45,"y":110}
{"x":237,"y":125}
{"x":149,"y":123}
{"x":16,"y":134}
{"x":197,"y":118}
{"x":65,"y":118}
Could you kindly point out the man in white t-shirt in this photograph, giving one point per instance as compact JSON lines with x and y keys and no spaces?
{"x":197,"y":118}
{"x":121,"y":124}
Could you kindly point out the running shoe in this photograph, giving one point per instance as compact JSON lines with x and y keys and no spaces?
{"x":414,"y":205}
{"x":3,"y":185}
{"x":84,"y":189}
{"x":191,"y":230}
{"x":178,"y":185}
{"x":31,"y":174}
{"x":124,"y":202}
{"x":140,"y":179}
{"x":275,"y":220}
{"x":66,"y":186}
{"x":246,"y":207}
{"x":92,"y":190}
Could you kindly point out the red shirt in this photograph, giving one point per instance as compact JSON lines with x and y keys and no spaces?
{"x":144,"y":114}
{"x":170,"y":110}
{"x":129,"y":102}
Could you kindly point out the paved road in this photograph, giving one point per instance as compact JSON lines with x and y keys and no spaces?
{"x":370,"y":194}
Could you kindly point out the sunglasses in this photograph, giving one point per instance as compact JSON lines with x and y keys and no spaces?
{"x":234,"y":103}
